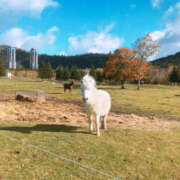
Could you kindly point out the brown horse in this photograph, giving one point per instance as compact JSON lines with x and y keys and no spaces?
{"x":68,"y":86}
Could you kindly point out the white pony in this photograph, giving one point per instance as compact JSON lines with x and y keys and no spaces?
{"x":98,"y":102}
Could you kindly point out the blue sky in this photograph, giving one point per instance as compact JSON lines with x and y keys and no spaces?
{"x":96,"y":26}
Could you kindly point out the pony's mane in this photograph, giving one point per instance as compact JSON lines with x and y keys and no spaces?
{"x":87,"y":79}
{"x":90,"y":77}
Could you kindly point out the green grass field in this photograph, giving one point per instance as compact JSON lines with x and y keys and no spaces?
{"x":125,"y":153}
{"x":159,"y":100}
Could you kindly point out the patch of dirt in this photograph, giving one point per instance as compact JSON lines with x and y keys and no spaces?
{"x":59,"y":112}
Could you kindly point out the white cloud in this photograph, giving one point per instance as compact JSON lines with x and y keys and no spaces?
{"x":173,"y":9}
{"x":169,"y":11}
{"x":177,"y":6}
{"x":156,"y":3}
{"x":19,"y":38}
{"x":156,"y":35}
{"x":95,"y":42}
{"x":169,"y":37}
{"x":34,"y":7}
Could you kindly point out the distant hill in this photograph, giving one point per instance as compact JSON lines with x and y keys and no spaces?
{"x":81,"y":61}
{"x":169,"y":60}
{"x":22,"y":56}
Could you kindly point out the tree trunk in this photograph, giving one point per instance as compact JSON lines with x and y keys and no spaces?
{"x":139,"y":84}
{"x":122,"y":84}
{"x":140,"y":71}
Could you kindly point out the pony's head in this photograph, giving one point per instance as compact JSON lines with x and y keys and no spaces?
{"x":87,"y":84}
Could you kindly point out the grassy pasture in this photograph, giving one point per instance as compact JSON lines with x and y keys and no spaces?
{"x":158,"y":100}
{"x":126,"y":153}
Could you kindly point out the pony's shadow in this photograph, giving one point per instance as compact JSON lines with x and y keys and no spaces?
{"x":45,"y":128}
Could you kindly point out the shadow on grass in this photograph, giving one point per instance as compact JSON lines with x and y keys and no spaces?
{"x":56,"y":93}
{"x":33,"y":81}
{"x":113,"y":88}
{"x":7,"y":100}
{"x":77,"y":102}
{"x":45,"y":128}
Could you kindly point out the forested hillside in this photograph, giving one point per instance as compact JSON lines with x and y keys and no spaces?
{"x":81,"y":61}
{"x":169,"y":60}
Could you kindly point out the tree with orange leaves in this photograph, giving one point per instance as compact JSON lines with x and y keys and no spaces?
{"x":121,"y":66}
{"x":136,"y":63}
{"x":144,"y":48}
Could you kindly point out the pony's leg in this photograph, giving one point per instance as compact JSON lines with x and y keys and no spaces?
{"x":104,"y":125}
{"x":90,"y":123}
{"x":97,"y":125}
{"x":102,"y":122}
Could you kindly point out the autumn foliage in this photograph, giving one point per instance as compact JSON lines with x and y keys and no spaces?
{"x":123,"y":65}
{"x":137,"y":65}
{"x":145,"y":47}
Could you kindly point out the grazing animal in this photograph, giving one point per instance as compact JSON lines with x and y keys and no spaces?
{"x":98,"y":102}
{"x":68,"y":86}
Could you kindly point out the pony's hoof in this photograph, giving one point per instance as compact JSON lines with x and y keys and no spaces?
{"x":98,"y":135}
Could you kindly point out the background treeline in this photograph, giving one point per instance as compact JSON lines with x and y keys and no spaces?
{"x":153,"y":75}
{"x":65,"y":73}
{"x":81,"y":61}
{"x":168,"y":60}
{"x":162,"y":75}
{"x":161,"y":71}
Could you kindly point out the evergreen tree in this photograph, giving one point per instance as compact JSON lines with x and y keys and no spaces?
{"x":82,"y":73}
{"x":75,"y":73}
{"x":78,"y":76}
{"x":93,"y":71}
{"x":59,"y":73}
{"x":43,"y":70}
{"x":2,"y":69}
{"x":175,"y":75}
{"x":66,"y":73}
{"x":46,"y":71}
{"x":99,"y":76}
{"x":49,"y":71}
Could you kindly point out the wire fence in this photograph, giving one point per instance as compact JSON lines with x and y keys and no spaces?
{"x":60,"y":157}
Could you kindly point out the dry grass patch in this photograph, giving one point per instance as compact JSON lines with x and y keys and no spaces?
{"x":61,"y":112}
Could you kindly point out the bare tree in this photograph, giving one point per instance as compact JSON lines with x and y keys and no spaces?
{"x":144,"y":48}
